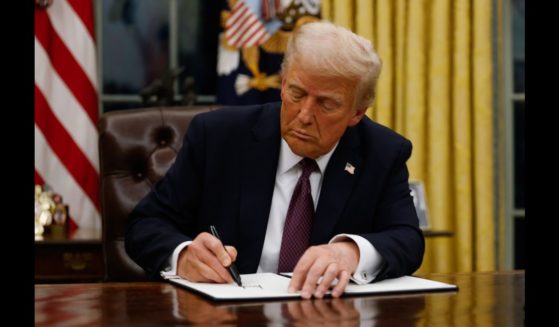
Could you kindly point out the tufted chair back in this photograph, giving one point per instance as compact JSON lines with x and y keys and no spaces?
{"x":136,"y":148}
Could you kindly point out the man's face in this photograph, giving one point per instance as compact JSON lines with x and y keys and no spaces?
{"x":316,"y":111}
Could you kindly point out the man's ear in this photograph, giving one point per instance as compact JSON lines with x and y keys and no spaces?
{"x":357,"y":115}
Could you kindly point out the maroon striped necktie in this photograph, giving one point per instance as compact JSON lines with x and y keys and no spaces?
{"x":297,"y":228}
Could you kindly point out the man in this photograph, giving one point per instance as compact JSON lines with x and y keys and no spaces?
{"x":241,"y":169}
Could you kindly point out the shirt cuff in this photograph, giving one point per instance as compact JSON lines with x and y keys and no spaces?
{"x":370,"y":261}
{"x":172,"y":262}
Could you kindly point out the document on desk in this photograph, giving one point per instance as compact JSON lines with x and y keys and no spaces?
{"x":264,"y":286}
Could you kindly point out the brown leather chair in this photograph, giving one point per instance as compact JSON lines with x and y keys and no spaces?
{"x":136,"y":148}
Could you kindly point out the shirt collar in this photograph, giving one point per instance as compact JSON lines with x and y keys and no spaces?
{"x":288,"y":159}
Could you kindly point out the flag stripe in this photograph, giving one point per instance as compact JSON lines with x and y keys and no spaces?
{"x":250,"y":34}
{"x":238,"y":13}
{"x":236,"y":28}
{"x":83,"y":211}
{"x":38,"y":179}
{"x":258,"y":39}
{"x":241,"y":30}
{"x":266,"y":14}
{"x":65,"y":106}
{"x":66,"y":149}
{"x":83,"y":9}
{"x":63,"y":61}
{"x":75,"y":35}
{"x":244,"y":28}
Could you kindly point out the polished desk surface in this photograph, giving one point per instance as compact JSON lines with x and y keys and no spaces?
{"x":483,"y":299}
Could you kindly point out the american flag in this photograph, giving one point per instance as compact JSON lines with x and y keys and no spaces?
{"x":244,"y":29}
{"x":66,"y":106}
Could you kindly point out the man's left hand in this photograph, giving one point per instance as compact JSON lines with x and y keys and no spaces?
{"x":329,"y":261}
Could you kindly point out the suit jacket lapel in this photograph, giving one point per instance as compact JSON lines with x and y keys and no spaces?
{"x":337,"y":186}
{"x":258,"y":173}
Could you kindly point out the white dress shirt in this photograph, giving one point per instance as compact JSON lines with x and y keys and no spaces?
{"x":287,"y":174}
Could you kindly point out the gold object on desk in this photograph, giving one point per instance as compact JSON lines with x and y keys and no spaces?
{"x":51,"y":214}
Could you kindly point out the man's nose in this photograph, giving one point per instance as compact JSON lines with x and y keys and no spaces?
{"x":307,"y":110}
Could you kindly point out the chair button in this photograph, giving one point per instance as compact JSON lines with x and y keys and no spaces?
{"x":139,"y":175}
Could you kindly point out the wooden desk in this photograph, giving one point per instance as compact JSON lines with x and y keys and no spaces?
{"x":77,"y":258}
{"x":483,"y":299}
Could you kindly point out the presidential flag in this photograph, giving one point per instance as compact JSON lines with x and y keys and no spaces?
{"x":251,"y":47}
{"x":66,"y":106}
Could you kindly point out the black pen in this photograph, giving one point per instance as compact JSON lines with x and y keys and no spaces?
{"x":232,"y":268}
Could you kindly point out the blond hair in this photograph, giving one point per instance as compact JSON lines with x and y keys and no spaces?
{"x":330,"y":50}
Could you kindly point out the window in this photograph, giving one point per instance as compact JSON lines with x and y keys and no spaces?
{"x":142,"y":40}
{"x":515,"y":143}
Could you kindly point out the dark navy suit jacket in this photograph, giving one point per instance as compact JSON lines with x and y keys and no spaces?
{"x":224,"y":175}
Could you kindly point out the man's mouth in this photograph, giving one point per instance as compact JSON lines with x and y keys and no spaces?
{"x":301,"y":135}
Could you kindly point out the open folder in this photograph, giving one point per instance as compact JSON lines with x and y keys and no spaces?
{"x":263,"y":286}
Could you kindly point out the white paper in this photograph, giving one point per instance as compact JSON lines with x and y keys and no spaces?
{"x":400,"y":285}
{"x":273,"y":286}
{"x":255,"y":286}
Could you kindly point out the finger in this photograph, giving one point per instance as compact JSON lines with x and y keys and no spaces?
{"x":207,"y":273}
{"x":232,"y":252}
{"x":190,"y":264}
{"x":204,"y":255}
{"x":217,"y":248}
{"x":194,"y":269}
{"x":210,"y":260}
{"x":343,"y":280}
{"x":300,"y":271}
{"x":327,"y":279}
{"x":313,"y":275}
{"x":218,"y":257}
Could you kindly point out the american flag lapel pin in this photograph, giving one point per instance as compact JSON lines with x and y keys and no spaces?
{"x":349,"y":168}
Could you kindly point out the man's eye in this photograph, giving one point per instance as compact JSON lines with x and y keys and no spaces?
{"x":329,"y":105}
{"x":296,"y":95}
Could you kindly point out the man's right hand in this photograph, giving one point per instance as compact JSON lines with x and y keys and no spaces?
{"x":205,"y":260}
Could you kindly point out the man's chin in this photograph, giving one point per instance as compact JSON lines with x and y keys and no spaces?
{"x":300,"y":147}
